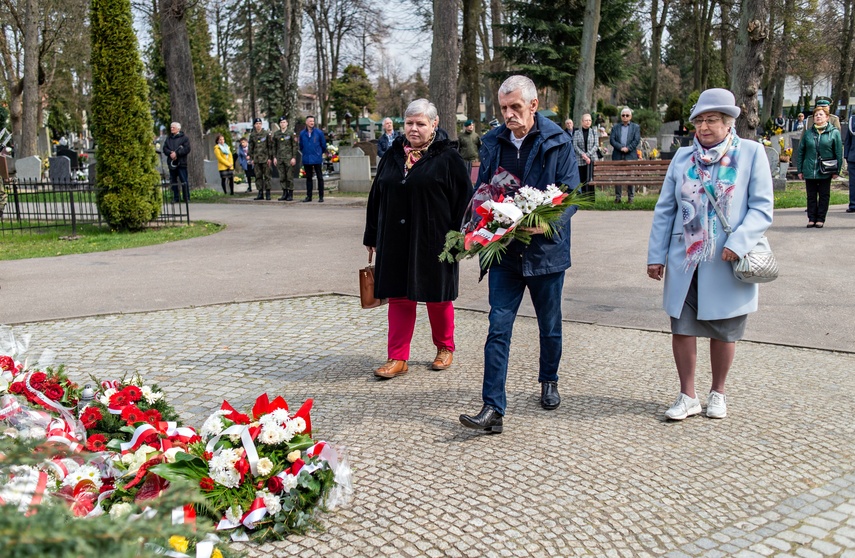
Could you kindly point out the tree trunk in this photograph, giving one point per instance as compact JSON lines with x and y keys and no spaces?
{"x":443,"y":64}
{"x":587,"y":54}
{"x":784,"y":56}
{"x":847,"y":33}
{"x":182,"y":84}
{"x":29,"y":118}
{"x":290,"y":60}
{"x":498,"y":62}
{"x":748,"y":64}
{"x":657,"y":21}
{"x":469,"y":71}
{"x":252,"y":95}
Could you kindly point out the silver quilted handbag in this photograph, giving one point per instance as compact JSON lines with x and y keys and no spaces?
{"x":757,"y":266}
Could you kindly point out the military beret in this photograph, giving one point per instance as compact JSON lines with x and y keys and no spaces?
{"x":283,"y":118}
{"x":468,"y":123}
{"x":256,"y":121}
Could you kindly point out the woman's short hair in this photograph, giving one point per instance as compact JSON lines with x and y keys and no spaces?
{"x":526,"y":87}
{"x":421,"y":107}
{"x":823,"y":108}
{"x":728,"y":120}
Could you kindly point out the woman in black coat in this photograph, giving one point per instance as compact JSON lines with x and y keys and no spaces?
{"x":420,"y":192}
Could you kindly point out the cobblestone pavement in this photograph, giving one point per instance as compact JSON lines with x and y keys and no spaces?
{"x":603,"y":475}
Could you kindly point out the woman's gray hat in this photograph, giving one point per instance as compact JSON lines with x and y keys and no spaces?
{"x":716,"y":100}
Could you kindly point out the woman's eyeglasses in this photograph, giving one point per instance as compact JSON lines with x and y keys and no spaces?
{"x":698,"y":122}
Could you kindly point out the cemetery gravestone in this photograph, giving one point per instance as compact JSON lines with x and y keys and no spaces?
{"x":212,"y":175}
{"x":29,"y":169}
{"x":773,"y":157}
{"x":369,"y":148}
{"x":59,"y":170}
{"x":355,"y":173}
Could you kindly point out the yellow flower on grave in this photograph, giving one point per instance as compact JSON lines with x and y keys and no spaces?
{"x":216,"y":553}
{"x":179,"y":543}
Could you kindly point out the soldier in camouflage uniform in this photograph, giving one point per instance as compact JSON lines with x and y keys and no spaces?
{"x":260,"y":153}
{"x":283,"y":157}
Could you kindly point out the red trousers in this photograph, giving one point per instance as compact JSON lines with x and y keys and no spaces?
{"x":402,"y":322}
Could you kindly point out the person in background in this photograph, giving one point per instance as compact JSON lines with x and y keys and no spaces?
{"x":468,"y":144}
{"x":225,"y":164}
{"x":568,"y":127}
{"x":260,"y":154}
{"x":625,"y":138}
{"x":284,"y":158}
{"x":780,"y":122}
{"x":243,"y":161}
{"x":537,"y":151}
{"x":420,"y":192}
{"x":690,"y":249}
{"x":175,"y":149}
{"x":849,"y":155}
{"x":820,"y":142}
{"x":799,"y":123}
{"x":313,"y":145}
{"x":586,"y":144}
{"x":385,"y":141}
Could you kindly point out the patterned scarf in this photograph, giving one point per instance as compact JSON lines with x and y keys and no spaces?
{"x":413,"y":155}
{"x":224,"y":148}
{"x":696,"y":196}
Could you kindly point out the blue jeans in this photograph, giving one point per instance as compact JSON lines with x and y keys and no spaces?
{"x":178,"y":179}
{"x":507,"y":286}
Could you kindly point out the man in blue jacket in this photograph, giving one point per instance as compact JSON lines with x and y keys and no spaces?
{"x":313,"y":145}
{"x":539,"y":153}
{"x":848,"y":133}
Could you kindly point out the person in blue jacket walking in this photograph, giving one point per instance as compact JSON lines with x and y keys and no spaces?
{"x":538,"y":153}
{"x":313,"y":145}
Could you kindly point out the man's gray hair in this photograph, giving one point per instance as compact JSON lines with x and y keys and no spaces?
{"x":387,"y":118}
{"x":421,"y":107}
{"x":176,"y":124}
{"x":626,"y":109}
{"x":524,"y":85}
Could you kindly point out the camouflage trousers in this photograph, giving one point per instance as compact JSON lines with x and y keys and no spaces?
{"x":286,"y":175}
{"x":262,"y":177}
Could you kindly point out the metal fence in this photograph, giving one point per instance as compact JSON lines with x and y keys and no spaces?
{"x":33,"y":207}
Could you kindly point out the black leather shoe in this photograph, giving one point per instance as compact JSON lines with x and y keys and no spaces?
{"x":850,"y":210}
{"x":549,"y":398}
{"x":307,"y":199}
{"x":488,"y":420}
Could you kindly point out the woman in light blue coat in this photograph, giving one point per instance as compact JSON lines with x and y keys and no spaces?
{"x":689,"y":248}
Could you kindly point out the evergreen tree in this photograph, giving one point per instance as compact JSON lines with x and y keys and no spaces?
{"x":269,"y":52}
{"x":352,"y":92}
{"x":544,"y":39}
{"x":128,"y":185}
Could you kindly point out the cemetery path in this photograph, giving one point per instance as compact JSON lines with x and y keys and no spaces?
{"x":272,"y":250}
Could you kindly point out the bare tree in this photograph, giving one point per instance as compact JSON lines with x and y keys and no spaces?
{"x":443,"y":64}
{"x":30,"y":89}
{"x":748,"y":65}
{"x":584,"y":92}
{"x":182,"y":83}
{"x":469,"y":70}
{"x":845,"y":47}
{"x":657,"y":25}
{"x":290,"y":60}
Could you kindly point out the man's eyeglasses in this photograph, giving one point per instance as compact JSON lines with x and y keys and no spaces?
{"x":698,"y":122}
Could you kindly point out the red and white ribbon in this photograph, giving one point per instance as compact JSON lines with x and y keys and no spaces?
{"x":136,"y":440}
{"x":184,"y":515}
{"x":246,"y":440}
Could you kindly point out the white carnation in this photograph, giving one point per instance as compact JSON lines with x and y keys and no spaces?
{"x":235,"y":438}
{"x":271,"y":502}
{"x":229,"y":478}
{"x":120,"y":510}
{"x":151,"y":397}
{"x":280,"y":415}
{"x":234,"y":514}
{"x":265,"y":466}
{"x":213,"y":426}
{"x":289,"y":482}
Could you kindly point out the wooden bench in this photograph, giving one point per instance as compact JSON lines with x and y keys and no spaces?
{"x":644,"y":173}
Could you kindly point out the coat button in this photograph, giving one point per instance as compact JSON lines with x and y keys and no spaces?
{"x":403,"y":221}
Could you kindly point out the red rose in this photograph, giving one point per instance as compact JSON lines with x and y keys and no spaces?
{"x":118,"y":399}
{"x":96,"y":442}
{"x":194,"y":439}
{"x":17,"y":388}
{"x":152,"y":416}
{"x":131,"y":414}
{"x":54,"y":392}
{"x":133,"y":393}
{"x":7,"y":363}
{"x":90,"y":417}
{"x":207,"y":484}
{"x":275,"y":485}
{"x":37,"y":380}
{"x":207,"y":456}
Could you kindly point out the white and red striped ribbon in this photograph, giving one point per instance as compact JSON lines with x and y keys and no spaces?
{"x":135,"y":442}
{"x":246,"y":440}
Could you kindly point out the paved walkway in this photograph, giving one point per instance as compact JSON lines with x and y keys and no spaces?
{"x":601,"y":476}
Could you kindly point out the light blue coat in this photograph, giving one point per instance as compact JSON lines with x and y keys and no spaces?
{"x":720,"y":294}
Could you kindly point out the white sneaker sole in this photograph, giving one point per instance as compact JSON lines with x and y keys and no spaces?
{"x":716,"y":416}
{"x":684,"y":416}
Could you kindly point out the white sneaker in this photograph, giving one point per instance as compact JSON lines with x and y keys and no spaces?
{"x":716,"y":405}
{"x":683,"y":407}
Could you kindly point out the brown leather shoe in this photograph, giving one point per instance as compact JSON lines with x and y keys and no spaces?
{"x":443,"y":360}
{"x":391,"y":369}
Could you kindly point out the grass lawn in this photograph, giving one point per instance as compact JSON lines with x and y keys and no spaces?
{"x":91,"y":238}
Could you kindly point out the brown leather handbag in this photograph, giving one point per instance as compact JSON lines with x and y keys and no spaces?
{"x":366,"y":286}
